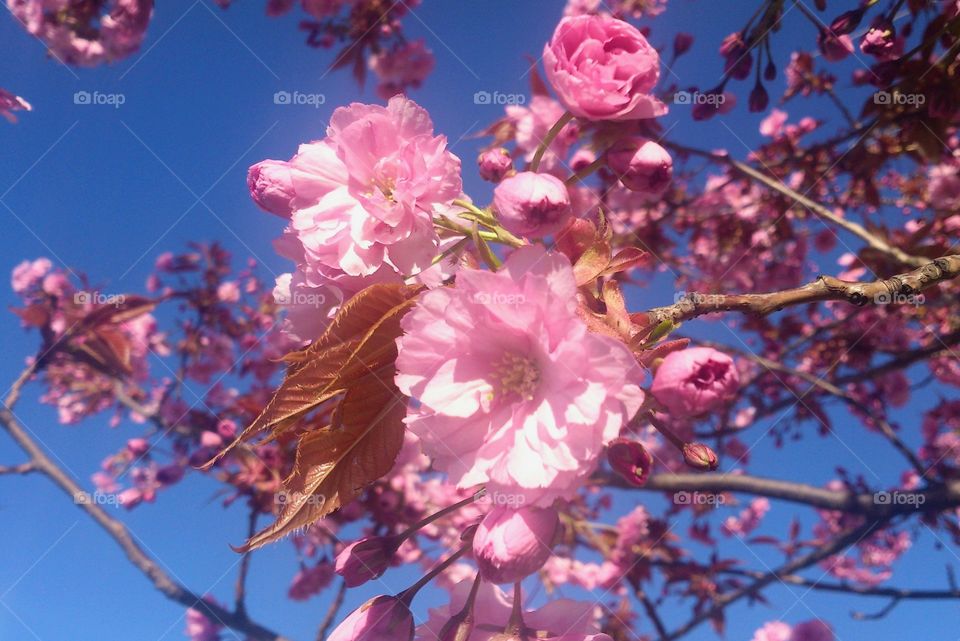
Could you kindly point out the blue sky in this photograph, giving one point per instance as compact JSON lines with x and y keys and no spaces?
{"x":103,"y":190}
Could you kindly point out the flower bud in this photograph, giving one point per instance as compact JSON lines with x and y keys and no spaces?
{"x":138,"y":446}
{"x":365,"y":559}
{"x":739,"y":60}
{"x":494,"y":164}
{"x":271,"y":187}
{"x":631,"y":460}
{"x":382,"y":618}
{"x":759,"y":98}
{"x":511,"y":544}
{"x":700,"y":457}
{"x":642,"y":165}
{"x":695,"y":381}
{"x":681,"y":44}
{"x":846,"y":22}
{"x":532,"y":204}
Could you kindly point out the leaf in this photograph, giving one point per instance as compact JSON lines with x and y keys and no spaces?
{"x":360,"y":339}
{"x":625,"y":259}
{"x":334,"y":464}
{"x":592,"y":263}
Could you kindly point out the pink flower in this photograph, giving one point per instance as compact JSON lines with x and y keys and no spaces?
{"x":511,"y":544}
{"x":309,"y":309}
{"x":532,"y":204}
{"x":365,"y":559}
{"x":373,"y":183}
{"x":310,"y":581}
{"x":572,"y":619}
{"x":696,"y":380}
{"x":402,"y":67}
{"x":813,"y":630}
{"x":748,"y":520}
{"x":642,"y":165}
{"x":382,"y":618}
{"x":833,"y":47}
{"x":78,"y":36}
{"x":603,"y":69}
{"x":531,"y":124}
{"x":772,"y":125}
{"x":29,"y":273}
{"x":10,"y":102}
{"x":773,"y":631}
{"x":271,"y":185}
{"x":494,"y":164}
{"x":510,"y":388}
{"x":200,"y":627}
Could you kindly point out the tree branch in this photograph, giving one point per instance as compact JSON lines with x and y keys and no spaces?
{"x":118,"y":532}
{"x":824,"y":288}
{"x":816,"y":208}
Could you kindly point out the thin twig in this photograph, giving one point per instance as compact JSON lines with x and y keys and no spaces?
{"x":332,"y":611}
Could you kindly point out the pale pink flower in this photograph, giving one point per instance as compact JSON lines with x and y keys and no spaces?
{"x":773,"y":631}
{"x":696,"y":380}
{"x":603,"y":69}
{"x":531,"y":124}
{"x":573,"y":619}
{"x":494,"y":164}
{"x":509,"y":387}
{"x":511,"y":544}
{"x":309,"y":309}
{"x":364,"y":196}
{"x":748,"y":519}
{"x":29,"y":273}
{"x":200,"y":627}
{"x":772,"y":125}
{"x":402,"y":67}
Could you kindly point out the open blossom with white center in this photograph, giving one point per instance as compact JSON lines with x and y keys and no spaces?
{"x":509,"y":387}
{"x":364,"y":197}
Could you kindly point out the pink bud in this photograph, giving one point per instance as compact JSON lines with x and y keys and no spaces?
{"x":532,"y":204}
{"x":513,"y":543}
{"x":834,"y":47}
{"x":642,"y":165}
{"x":365,"y":559}
{"x":494,"y":164}
{"x":210,"y":439}
{"x":138,"y":446}
{"x":694,"y":381}
{"x":699,"y":456}
{"x":759,"y":98}
{"x":681,"y":44}
{"x":631,"y":460}
{"x":271,"y":186}
{"x":382,"y":618}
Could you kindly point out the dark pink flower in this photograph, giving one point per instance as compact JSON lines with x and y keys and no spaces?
{"x":641,"y":165}
{"x":603,"y":69}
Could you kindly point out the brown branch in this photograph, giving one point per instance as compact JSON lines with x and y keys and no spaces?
{"x":907,"y":502}
{"x":240,"y":591}
{"x":816,"y":208}
{"x":649,"y":608}
{"x":118,"y":532}
{"x":332,"y":611}
{"x":721,"y":602}
{"x":22,"y":468}
{"x":824,"y":288}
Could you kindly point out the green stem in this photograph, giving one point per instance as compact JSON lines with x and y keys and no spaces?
{"x":586,"y":171}
{"x":548,"y":140}
{"x":407,"y":595}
